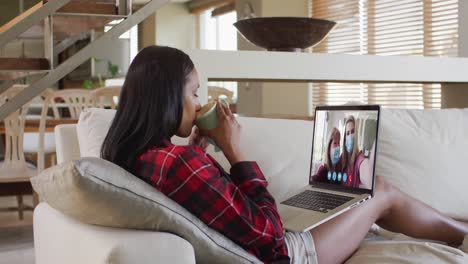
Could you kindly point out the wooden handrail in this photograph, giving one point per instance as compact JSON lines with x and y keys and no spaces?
{"x":27,"y":19}
{"x":20,"y":17}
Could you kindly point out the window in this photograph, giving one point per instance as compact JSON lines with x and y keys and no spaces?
{"x":218,"y":33}
{"x":131,"y":35}
{"x":321,"y":132}
{"x":387,"y":27}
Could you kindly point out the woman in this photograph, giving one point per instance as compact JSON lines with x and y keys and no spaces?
{"x":352,"y":158}
{"x":356,"y":169}
{"x":330,"y":171}
{"x":159,"y":100}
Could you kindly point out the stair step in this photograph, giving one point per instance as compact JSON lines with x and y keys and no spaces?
{"x":74,"y":18}
{"x":12,"y":75}
{"x":94,"y":16}
{"x":73,"y":62}
{"x":67,"y":25}
{"x":89,"y":7}
{"x":74,"y":25}
{"x":74,"y":7}
{"x":24,"y":64}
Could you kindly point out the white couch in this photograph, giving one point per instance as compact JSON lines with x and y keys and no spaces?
{"x":421,"y":152}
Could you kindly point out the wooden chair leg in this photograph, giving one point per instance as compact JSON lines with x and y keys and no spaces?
{"x":50,"y":160}
{"x":53,"y":162}
{"x":19,"y":198}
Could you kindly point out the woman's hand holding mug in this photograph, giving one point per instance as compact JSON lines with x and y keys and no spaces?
{"x":226,"y":134}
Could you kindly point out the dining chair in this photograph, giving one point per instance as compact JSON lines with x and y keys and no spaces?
{"x":40,"y":142}
{"x":106,"y":96}
{"x":75,"y":100}
{"x":15,"y":172}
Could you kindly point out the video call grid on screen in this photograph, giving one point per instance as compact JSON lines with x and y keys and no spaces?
{"x":344,"y":147}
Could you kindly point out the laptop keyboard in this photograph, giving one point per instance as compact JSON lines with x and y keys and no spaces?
{"x":317,"y":201}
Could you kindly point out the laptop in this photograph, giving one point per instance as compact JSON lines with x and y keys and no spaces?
{"x":342,"y":169}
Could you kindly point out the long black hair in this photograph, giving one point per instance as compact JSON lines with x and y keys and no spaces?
{"x":150,"y":106}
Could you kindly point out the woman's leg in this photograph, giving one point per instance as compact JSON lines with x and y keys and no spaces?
{"x":338,"y":238}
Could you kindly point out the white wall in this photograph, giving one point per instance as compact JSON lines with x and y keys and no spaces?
{"x":118,"y":53}
{"x":285,"y":8}
{"x":285,"y":98}
{"x":176,"y":27}
{"x":148,"y":30}
{"x":273,"y":98}
{"x":249,"y":94}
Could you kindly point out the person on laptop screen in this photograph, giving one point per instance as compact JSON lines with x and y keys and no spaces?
{"x":345,"y":164}
{"x":332,"y":159}
{"x":352,"y":157}
{"x":159,"y":100}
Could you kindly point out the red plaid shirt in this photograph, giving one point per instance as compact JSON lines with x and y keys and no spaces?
{"x":237,"y":205}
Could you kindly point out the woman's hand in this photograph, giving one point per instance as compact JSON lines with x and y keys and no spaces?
{"x":197,"y":139}
{"x":227,"y":134}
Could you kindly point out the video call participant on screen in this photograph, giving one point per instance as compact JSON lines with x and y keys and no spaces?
{"x":332,"y":165}
{"x":351,"y":156}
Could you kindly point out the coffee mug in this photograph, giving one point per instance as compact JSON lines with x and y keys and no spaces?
{"x":208,"y":118}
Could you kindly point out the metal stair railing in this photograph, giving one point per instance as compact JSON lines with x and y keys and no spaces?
{"x":9,"y":83}
{"x":80,"y":57}
{"x":50,"y":50}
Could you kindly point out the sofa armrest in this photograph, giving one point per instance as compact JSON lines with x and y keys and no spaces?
{"x":66,"y":143}
{"x":61,"y":239}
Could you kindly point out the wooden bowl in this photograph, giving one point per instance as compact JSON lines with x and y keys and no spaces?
{"x":284,"y":33}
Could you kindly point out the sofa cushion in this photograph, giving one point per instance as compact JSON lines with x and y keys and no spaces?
{"x":92,"y":128}
{"x":423,"y":152}
{"x":396,"y":252}
{"x":95,"y":191}
{"x":420,"y":152}
{"x":280,"y":147}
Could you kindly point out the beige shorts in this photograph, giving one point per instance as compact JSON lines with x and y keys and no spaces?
{"x":301,"y":247}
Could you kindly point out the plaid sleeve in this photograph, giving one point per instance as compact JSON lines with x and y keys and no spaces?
{"x":241,"y":209}
{"x":249,"y":178}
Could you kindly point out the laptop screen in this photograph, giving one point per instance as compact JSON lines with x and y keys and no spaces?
{"x":344,"y":147}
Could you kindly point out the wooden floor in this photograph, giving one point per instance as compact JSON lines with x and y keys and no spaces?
{"x":16,"y":237}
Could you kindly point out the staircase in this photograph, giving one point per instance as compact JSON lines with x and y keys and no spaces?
{"x":60,"y":23}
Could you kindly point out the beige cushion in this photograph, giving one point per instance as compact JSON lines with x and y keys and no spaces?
{"x":95,"y":191}
{"x":91,"y":130}
{"x":424,"y":153}
{"x":280,"y":147}
{"x":421,"y":152}
{"x":396,"y":252}
{"x":66,"y":140}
